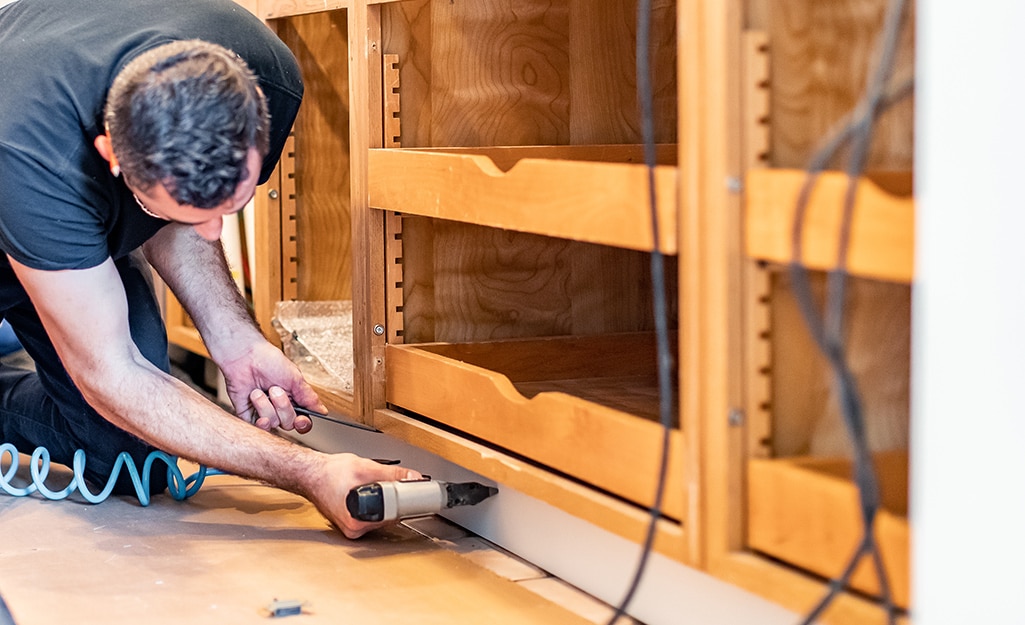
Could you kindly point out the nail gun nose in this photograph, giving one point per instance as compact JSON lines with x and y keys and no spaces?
{"x":468,"y":493}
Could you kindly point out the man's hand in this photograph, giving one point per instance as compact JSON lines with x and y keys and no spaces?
{"x":339,"y":474}
{"x":260,"y":379}
{"x":262,"y":384}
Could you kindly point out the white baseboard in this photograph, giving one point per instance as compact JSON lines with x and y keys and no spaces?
{"x":592,"y":559}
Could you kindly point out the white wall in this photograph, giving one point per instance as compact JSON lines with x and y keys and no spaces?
{"x":968,"y":454}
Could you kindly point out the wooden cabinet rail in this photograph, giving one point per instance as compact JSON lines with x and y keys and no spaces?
{"x":592,"y":193}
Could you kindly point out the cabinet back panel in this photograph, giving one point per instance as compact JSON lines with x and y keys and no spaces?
{"x":514,"y":72}
{"x":522,"y":72}
{"x":324,"y":263}
{"x":471,"y":283}
{"x":822,"y":54}
{"x":806,"y":414}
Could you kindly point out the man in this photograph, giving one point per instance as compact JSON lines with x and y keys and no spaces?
{"x":129,"y":130}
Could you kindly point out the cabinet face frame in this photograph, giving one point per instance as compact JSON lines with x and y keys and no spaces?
{"x":720,"y":359}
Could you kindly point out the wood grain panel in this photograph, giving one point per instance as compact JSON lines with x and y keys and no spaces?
{"x":406,"y":33}
{"x":499,"y":73}
{"x":603,"y":74}
{"x":322,"y":155}
{"x":822,"y":55}
{"x":620,"y":300}
{"x":499,"y":284}
{"x":805,"y":411}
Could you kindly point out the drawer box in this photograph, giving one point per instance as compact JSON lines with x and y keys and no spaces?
{"x":586,"y":407}
{"x":805,"y":512}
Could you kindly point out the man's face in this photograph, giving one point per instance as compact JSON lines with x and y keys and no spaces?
{"x":206,"y":221}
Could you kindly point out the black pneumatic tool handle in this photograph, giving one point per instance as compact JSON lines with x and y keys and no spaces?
{"x":366,"y":503}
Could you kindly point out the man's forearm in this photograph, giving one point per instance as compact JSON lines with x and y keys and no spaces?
{"x":167,"y":414}
{"x":197,"y":273}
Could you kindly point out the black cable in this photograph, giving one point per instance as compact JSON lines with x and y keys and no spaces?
{"x":827,"y":329}
{"x":645,"y":103}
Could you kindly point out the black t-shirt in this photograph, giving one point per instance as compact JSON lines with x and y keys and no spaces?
{"x":60,"y":207}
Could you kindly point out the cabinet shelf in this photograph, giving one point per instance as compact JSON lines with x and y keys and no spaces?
{"x":882,"y":232}
{"x":584,"y":406}
{"x":805,"y":511}
{"x":592,"y":193}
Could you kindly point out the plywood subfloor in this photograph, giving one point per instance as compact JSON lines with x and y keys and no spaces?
{"x":224,"y":555}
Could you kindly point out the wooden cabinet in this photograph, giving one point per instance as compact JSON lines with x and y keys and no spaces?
{"x":760,"y":89}
{"x":468,"y":175}
{"x":522,"y":320}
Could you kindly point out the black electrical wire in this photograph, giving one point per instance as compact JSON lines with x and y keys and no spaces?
{"x":645,"y":103}
{"x":826,"y":331}
{"x":827,"y":328}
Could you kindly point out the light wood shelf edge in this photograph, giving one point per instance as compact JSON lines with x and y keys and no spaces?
{"x":187,"y":338}
{"x":274,"y":9}
{"x":882,"y":232}
{"x":602,"y":201}
{"x":610,"y":514}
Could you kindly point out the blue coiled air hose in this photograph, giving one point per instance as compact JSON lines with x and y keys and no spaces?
{"x":179,"y":486}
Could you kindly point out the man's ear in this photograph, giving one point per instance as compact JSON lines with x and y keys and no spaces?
{"x":106,"y":150}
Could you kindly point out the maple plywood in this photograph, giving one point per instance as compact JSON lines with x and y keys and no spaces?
{"x":526,"y":73}
{"x":821,"y":56}
{"x":322,"y":173}
{"x":603,"y":73}
{"x":805,"y":401}
{"x":465,"y":283}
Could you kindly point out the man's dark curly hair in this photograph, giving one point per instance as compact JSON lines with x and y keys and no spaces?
{"x":185,"y":115}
